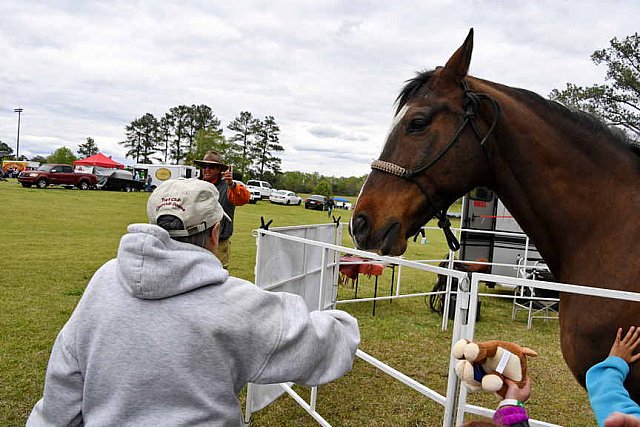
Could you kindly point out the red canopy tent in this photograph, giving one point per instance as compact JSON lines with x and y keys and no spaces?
{"x":99,"y":160}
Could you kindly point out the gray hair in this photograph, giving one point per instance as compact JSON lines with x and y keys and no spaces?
{"x":170,"y":222}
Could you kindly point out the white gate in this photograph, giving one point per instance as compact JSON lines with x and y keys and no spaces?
{"x":304,"y":260}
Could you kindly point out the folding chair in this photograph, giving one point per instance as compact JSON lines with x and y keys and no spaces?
{"x":546,"y":307}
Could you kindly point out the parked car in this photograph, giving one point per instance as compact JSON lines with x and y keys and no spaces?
{"x":284,"y":197}
{"x":316,"y":202}
{"x":263,"y":186}
{"x":55,"y":174}
{"x":255,"y":194}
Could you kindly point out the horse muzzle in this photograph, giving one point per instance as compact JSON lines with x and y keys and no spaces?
{"x":386,"y":240}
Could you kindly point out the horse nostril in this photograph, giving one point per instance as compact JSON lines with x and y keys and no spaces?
{"x":360,"y":226}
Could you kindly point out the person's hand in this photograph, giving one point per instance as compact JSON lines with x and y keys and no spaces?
{"x":624,"y":347}
{"x":621,"y":420}
{"x":227,"y":176}
{"x":515,"y":392}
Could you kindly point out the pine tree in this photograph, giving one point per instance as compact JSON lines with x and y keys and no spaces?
{"x":199,"y":118}
{"x":207,"y":140}
{"x":267,"y":143}
{"x":141,"y":138}
{"x":165,"y":126}
{"x":240,"y":153}
{"x":179,"y":145}
{"x":88,"y":149}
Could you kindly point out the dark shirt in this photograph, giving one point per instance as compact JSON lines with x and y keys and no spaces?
{"x":226,"y":227}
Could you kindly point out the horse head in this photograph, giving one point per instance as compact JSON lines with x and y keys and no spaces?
{"x":433,"y":155}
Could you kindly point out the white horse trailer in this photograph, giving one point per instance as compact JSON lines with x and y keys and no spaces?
{"x":154,"y":175}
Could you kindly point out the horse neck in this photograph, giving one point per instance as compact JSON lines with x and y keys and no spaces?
{"x":558,"y":180}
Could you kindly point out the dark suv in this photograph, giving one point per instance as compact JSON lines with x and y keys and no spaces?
{"x":316,"y":202}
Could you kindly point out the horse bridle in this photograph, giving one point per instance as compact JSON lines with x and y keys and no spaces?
{"x":471,"y":104}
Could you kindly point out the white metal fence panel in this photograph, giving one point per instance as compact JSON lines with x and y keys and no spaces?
{"x":291,"y":266}
{"x":297,"y":260}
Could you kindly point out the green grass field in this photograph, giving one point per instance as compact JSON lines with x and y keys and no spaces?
{"x":53,"y":240}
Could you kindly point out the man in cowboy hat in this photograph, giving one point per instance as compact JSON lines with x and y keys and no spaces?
{"x":215,"y":171}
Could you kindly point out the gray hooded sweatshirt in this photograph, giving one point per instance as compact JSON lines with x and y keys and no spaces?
{"x":164,"y":337}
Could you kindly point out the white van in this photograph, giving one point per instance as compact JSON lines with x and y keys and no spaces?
{"x":263,"y":186}
{"x":154,"y":175}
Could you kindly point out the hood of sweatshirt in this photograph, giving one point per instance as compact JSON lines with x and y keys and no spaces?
{"x":151,"y":265}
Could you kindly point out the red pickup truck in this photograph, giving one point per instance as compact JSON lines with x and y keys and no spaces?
{"x":52,"y":174}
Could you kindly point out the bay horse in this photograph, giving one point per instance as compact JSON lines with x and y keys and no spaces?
{"x":570,"y":182}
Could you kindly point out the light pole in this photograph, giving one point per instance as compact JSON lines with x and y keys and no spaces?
{"x":18,"y":110}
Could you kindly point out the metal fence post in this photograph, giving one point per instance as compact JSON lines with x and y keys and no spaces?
{"x":467,"y":332}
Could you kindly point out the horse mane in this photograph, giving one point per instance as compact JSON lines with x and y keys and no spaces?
{"x":416,"y":87}
{"x":412,"y":88}
{"x":584,"y":120}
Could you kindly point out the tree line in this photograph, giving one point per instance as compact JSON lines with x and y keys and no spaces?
{"x":299,"y":182}
{"x":314,"y":183}
{"x":185,"y":133}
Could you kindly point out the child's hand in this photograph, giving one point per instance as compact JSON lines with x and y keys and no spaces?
{"x":624,"y":348}
{"x":621,"y":420}
{"x":515,"y":392}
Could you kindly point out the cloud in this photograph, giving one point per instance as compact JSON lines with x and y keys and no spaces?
{"x":322,"y":131}
{"x":329,"y":72}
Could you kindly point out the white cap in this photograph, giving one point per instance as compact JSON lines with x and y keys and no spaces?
{"x":194,"y":201}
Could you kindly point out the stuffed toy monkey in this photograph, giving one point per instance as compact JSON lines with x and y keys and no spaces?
{"x":484,"y":365}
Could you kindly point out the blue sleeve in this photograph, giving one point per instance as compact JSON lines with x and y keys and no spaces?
{"x":606,"y":389}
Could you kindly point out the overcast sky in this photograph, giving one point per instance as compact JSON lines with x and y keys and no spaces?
{"x":328,"y":71}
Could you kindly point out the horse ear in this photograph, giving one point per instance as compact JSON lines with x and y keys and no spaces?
{"x":458,"y":65}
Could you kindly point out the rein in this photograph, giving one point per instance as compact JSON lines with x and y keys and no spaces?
{"x":471,"y":104}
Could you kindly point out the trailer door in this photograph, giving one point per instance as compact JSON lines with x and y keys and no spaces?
{"x":511,"y":250}
{"x":479,"y":214}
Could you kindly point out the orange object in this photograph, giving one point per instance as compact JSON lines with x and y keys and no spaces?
{"x":365,"y":266}
{"x":239,"y":195}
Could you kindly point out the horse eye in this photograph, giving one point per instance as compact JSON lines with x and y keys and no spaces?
{"x":417,"y":125}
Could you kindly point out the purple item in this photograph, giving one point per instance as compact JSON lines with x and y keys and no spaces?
{"x":509,"y":415}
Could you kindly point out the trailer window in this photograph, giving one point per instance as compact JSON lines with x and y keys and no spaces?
{"x":481,"y":193}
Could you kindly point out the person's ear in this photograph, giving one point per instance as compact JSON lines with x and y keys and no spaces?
{"x":215,"y":233}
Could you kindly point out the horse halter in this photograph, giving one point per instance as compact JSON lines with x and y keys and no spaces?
{"x":471,"y":104}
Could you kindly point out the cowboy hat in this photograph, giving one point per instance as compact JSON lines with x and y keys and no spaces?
{"x":212,"y":159}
